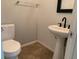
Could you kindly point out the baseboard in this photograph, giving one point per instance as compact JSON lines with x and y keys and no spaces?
{"x":32,"y":42}
{"x":45,"y":46}
{"x":29,"y":43}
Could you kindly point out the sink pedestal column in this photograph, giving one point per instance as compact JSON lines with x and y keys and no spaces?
{"x":59,"y":50}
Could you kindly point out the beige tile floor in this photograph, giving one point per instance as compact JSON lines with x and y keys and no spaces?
{"x":35,"y":51}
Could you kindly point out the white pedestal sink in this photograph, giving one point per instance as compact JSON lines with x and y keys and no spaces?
{"x":60,"y":33}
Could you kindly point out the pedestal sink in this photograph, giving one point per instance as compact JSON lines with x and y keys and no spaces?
{"x":60,"y":33}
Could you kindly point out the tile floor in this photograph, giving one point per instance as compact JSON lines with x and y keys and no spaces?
{"x":35,"y":51}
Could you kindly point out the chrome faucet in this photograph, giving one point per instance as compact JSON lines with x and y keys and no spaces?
{"x":64,"y":19}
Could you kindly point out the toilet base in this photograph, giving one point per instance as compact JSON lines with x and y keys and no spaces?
{"x":14,"y":57}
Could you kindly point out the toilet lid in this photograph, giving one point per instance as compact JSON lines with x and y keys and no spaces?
{"x":11,"y":46}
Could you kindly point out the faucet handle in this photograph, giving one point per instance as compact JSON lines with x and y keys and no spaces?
{"x":68,"y":26}
{"x":60,"y":24}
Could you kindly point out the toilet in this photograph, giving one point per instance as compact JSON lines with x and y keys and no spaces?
{"x":11,"y":47}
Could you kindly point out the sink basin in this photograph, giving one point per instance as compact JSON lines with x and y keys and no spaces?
{"x":60,"y":34}
{"x":59,"y":31}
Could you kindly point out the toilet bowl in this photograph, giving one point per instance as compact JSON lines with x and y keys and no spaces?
{"x":11,"y":47}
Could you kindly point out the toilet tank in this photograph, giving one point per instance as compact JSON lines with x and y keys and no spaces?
{"x":7,"y":31}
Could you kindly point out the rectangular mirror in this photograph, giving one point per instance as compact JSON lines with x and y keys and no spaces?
{"x":65,"y":6}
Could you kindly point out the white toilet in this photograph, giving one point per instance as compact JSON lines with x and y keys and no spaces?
{"x":11,"y":47}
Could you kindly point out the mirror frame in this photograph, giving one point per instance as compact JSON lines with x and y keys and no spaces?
{"x":59,"y":10}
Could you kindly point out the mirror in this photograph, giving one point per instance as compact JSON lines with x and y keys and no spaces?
{"x":65,"y":6}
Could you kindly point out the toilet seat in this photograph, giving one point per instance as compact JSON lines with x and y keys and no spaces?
{"x":11,"y":47}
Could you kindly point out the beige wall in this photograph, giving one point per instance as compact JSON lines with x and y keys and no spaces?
{"x":24,"y":19}
{"x":49,"y":16}
{"x":32,"y":23}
